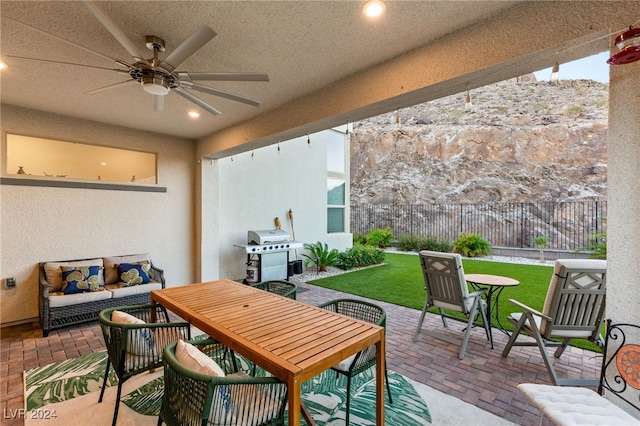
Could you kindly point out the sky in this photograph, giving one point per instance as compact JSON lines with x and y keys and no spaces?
{"x":593,"y":67}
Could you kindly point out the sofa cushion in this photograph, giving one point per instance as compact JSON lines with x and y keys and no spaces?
{"x":134,"y":273}
{"x":53,"y":273}
{"x":59,"y":299}
{"x":119,"y":291}
{"x":111,"y":265}
{"x":80,"y":279}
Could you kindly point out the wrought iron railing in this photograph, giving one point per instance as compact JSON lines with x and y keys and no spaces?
{"x":568,"y":225}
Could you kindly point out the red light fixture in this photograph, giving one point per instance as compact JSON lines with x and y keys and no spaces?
{"x":629,"y":44}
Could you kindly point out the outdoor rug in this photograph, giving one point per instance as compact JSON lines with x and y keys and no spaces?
{"x":66,"y":392}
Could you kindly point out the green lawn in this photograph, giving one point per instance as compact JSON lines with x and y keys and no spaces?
{"x":400,"y":282}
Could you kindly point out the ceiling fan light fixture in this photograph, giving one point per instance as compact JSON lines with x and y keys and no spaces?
{"x":373,"y":8}
{"x":155,"y":84}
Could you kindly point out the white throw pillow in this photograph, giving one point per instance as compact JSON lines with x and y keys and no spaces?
{"x":142,"y":342}
{"x":191,"y":357}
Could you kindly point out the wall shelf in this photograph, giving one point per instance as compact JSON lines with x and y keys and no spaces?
{"x":84,"y":185}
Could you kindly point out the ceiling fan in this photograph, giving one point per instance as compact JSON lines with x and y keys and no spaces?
{"x":159,"y":77}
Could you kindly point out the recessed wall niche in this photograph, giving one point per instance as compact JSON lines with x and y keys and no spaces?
{"x":28,"y":156}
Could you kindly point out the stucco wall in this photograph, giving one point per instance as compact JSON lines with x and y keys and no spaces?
{"x":623,"y":227}
{"x":256,"y":187}
{"x":46,"y":224}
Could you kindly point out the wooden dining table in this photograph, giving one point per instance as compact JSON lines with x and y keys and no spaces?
{"x":292,"y":340}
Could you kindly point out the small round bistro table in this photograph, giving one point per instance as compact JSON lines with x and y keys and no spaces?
{"x":494,"y":284}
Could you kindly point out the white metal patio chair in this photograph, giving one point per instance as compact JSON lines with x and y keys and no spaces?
{"x":573,"y":309}
{"x":447,"y":289}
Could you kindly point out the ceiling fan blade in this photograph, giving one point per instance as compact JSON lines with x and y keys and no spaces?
{"x":191,"y":45}
{"x":68,"y":63}
{"x":223,"y":76}
{"x":196,"y":100}
{"x":218,"y":92}
{"x":86,"y":49}
{"x":158,"y":102}
{"x":115,"y":31}
{"x":109,"y":87}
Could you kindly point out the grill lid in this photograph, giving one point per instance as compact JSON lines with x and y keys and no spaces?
{"x":267,"y":236}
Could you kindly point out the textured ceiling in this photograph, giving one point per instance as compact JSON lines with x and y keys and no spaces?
{"x":302,"y":45}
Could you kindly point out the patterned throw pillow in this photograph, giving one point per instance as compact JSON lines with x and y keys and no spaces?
{"x":80,"y":279}
{"x":134,"y":273}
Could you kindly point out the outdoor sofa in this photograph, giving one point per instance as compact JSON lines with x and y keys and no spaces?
{"x":75,"y":291}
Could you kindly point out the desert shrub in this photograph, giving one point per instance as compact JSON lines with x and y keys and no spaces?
{"x":432,"y":243}
{"x":360,"y":255}
{"x":359,"y":239}
{"x":321,"y":256}
{"x":380,"y":237}
{"x":597,"y":245}
{"x":417,"y":243}
{"x":472,"y":245}
{"x":407,"y":242}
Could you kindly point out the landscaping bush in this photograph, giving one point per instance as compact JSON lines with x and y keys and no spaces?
{"x":407,"y":242}
{"x":472,"y":245}
{"x":359,"y":239}
{"x":321,"y":256}
{"x":417,"y":243}
{"x":360,"y":255}
{"x":434,"y":244}
{"x":380,"y":237}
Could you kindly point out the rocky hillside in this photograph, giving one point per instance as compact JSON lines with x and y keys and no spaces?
{"x":521,"y":141}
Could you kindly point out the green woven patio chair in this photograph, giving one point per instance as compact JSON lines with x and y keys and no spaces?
{"x":366,"y":358}
{"x":194,"y":396}
{"x":283,"y":288}
{"x":135,"y":337}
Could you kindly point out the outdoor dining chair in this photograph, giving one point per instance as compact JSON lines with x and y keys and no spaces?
{"x":135,"y":337}
{"x":573,"y":309}
{"x":366,"y":358}
{"x":283,"y":288}
{"x":447,"y":289}
{"x":202,"y":386}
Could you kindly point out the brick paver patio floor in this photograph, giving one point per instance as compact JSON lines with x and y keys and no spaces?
{"x":483,"y":378}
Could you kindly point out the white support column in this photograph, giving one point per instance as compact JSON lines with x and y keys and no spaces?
{"x":207,"y":235}
{"x":623,"y":217}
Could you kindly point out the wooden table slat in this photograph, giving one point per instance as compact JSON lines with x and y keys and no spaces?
{"x":290,"y":339}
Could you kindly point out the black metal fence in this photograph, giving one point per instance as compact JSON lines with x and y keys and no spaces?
{"x":567,"y":225}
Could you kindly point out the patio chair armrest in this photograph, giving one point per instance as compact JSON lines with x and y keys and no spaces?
{"x":530,"y":310}
{"x":477,"y":293}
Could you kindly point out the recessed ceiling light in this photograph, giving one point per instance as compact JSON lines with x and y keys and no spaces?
{"x":103,"y":164}
{"x":373,"y":8}
{"x":2,"y":65}
{"x":194,"y":114}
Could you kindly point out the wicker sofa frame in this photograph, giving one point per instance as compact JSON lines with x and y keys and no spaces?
{"x":64,"y":316}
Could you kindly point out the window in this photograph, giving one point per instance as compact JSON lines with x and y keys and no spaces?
{"x":32,"y":157}
{"x":337,"y":189}
{"x":335,"y":205}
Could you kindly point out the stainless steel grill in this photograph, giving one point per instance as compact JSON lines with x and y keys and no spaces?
{"x":268,"y":254}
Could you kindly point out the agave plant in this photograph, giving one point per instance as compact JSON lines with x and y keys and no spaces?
{"x":320,"y":256}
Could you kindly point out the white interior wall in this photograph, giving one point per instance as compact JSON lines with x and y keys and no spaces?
{"x":256,"y":187}
{"x":46,"y":224}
